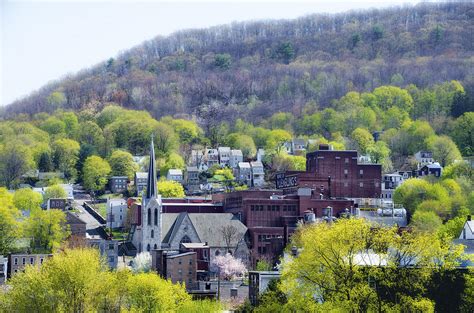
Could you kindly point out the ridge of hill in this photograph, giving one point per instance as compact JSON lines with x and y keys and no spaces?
{"x":253,"y":69}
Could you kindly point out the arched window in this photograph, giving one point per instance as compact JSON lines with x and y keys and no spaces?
{"x":185,"y":239}
{"x":217,"y":252}
{"x":156,"y":216}
{"x":152,"y":234}
{"x":155,"y":246}
{"x":148,"y":247}
{"x":149,"y":217}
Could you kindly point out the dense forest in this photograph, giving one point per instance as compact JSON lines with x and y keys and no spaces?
{"x":255,"y":69}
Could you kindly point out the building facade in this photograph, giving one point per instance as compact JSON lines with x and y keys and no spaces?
{"x":117,"y":210}
{"x":118,"y":184}
{"x":19,"y":261}
{"x":141,"y":179}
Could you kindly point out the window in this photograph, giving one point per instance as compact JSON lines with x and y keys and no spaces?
{"x":190,"y":273}
{"x":111,"y":246}
{"x":376,"y":184}
{"x":149,"y":216}
{"x":148,"y":247}
{"x":185,"y":239}
{"x":252,"y":208}
{"x":284,"y":208}
{"x":179,"y":262}
{"x":152,"y":234}
{"x":346,"y":171}
{"x":191,"y":262}
{"x":15,"y":261}
{"x":111,"y":259}
{"x":41,"y":260}
{"x":155,"y":246}
{"x":32,"y":260}
{"x":217,"y":252}
{"x":346,"y":160}
{"x":361,"y":184}
{"x":23,"y":261}
{"x":361,"y":172}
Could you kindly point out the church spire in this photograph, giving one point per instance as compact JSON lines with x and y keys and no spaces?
{"x":151,"y":191}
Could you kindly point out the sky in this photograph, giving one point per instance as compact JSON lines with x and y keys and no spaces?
{"x":42,"y":41}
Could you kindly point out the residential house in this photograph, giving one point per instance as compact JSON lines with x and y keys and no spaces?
{"x":199,"y":159}
{"x":68,"y":188}
{"x":390,"y":182}
{"x":3,"y":269}
{"x":258,"y":174}
{"x":57,"y":204}
{"x":140,"y":182}
{"x":76,"y":224}
{"x":295,"y":147}
{"x":258,"y":283}
{"x":175,"y":174}
{"x":430,"y":169}
{"x":118,"y":184}
{"x":224,"y":156}
{"x":424,"y":157}
{"x":50,"y":175}
{"x":365,"y":159}
{"x":116,"y":213}
{"x":260,"y":154}
{"x":18,"y":261}
{"x":191,"y":175}
{"x":179,"y":267}
{"x":211,"y":157}
{"x":236,"y":156}
{"x":466,"y":238}
{"x":108,"y":250}
{"x":244,"y":173}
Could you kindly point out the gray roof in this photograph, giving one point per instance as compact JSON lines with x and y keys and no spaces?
{"x":256,"y":164}
{"x":143,"y":175}
{"x":236,"y":152}
{"x":244,"y":165}
{"x":175,"y":171}
{"x":469,"y":243}
{"x":192,"y":169}
{"x":208,"y":226}
{"x":299,"y":141}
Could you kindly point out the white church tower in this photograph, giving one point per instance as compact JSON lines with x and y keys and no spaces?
{"x":148,"y":232}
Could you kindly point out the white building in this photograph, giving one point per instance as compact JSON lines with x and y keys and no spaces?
{"x":258,"y":174}
{"x":244,"y":173}
{"x":468,"y":230}
{"x":224,"y":156}
{"x":236,"y":156}
{"x":424,"y":157}
{"x":116,"y":212}
{"x":175,"y":174}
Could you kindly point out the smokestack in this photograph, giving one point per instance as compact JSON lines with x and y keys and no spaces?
{"x":469,"y":218}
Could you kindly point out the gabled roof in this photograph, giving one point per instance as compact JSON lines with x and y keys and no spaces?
{"x":236,"y":152}
{"x":175,"y":171}
{"x":256,"y":164}
{"x":143,"y":175}
{"x":208,"y":226}
{"x":244,"y":165}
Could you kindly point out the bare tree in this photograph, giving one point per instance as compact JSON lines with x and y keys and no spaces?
{"x":229,"y":233}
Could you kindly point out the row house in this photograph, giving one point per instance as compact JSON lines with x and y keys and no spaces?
{"x":295,"y":147}
{"x":3,"y":269}
{"x":191,"y":176}
{"x":251,"y":173}
{"x":224,"y":156}
{"x":108,"y":250}
{"x":177,"y":266}
{"x":424,"y":157}
{"x":175,"y":174}
{"x":140,"y":182}
{"x":390,"y":182}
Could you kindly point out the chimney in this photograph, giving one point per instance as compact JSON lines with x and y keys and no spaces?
{"x":469,"y":218}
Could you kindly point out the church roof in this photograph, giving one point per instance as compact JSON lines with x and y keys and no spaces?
{"x":151,"y":191}
{"x":207,"y":225}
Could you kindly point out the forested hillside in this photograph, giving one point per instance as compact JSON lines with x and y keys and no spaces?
{"x":255,"y":69}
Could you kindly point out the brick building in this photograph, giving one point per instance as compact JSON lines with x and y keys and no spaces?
{"x":179,"y":267}
{"x":339,"y":175}
{"x":271,"y":216}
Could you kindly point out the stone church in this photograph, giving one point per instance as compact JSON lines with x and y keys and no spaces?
{"x":151,"y":229}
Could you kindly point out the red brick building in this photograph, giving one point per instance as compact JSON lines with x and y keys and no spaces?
{"x":339,"y":175}
{"x":271,"y":215}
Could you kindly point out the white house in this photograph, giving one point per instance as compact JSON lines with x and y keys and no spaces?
{"x":116,"y":212}
{"x":236,"y":156}
{"x":424,"y":157}
{"x":468,"y":229}
{"x":175,"y":174}
{"x":258,"y":174}
{"x":224,"y":156}
{"x":245,"y":173}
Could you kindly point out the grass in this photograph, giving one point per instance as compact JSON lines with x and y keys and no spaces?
{"x":101,"y":208}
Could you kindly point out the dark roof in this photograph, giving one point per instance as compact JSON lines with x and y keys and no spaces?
{"x":151,"y":191}
{"x":72,"y":218}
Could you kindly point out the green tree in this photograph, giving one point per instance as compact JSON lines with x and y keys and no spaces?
{"x":46,"y":230}
{"x":223,"y":61}
{"x":412,"y":192}
{"x":380,"y":154}
{"x":10,"y":229}
{"x":15,"y":160}
{"x":276,"y":139}
{"x":54,"y":126}
{"x":27,"y":200}
{"x":244,"y":143}
{"x":173,"y":160}
{"x":165,"y":137}
{"x":56,"y":100}
{"x":54,"y":192}
{"x":90,"y":133}
{"x":426,"y":221}
{"x":348,"y":256}
{"x":122,"y":164}
{"x":45,"y":164}
{"x":463,"y":133}
{"x":95,"y":173}
{"x":444,"y":150}
{"x":285,"y":52}
{"x":65,"y":156}
{"x":363,"y":139}
{"x":170,"y":189}
{"x":390,"y":96}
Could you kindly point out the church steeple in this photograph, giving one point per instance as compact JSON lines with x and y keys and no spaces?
{"x":151,"y":191}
